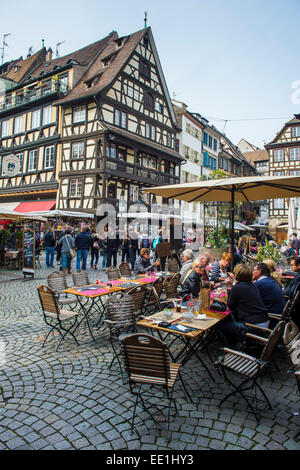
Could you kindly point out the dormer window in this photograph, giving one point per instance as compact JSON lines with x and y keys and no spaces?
{"x":105,"y":62}
{"x":120,"y":43}
{"x":16,"y":68}
{"x":72,"y":62}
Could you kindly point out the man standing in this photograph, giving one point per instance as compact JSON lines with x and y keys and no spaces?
{"x":291,"y":290}
{"x":112,"y":247}
{"x":295,"y":243}
{"x":82,"y":243}
{"x":270,"y":292}
{"x":49,"y":242}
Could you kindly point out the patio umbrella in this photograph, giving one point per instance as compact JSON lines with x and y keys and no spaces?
{"x":7,"y":214}
{"x":245,"y":189}
{"x":291,"y":218}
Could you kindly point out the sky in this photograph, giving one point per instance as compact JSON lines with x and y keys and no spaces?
{"x":236,"y":62}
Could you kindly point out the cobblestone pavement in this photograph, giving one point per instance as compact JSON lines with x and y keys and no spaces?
{"x":70,"y":399}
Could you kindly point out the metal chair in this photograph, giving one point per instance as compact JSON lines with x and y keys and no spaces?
{"x":249,"y":367}
{"x":57,"y":282}
{"x":124,"y":269}
{"x":291,"y":339}
{"x":121,"y":319}
{"x":147,"y":362}
{"x":138,"y":295}
{"x":113,"y":273}
{"x":55,"y":317}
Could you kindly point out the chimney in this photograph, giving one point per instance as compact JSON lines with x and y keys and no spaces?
{"x":49,"y":55}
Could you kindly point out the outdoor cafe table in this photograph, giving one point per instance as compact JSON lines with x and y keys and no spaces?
{"x":192,"y":339}
{"x":95,"y":292}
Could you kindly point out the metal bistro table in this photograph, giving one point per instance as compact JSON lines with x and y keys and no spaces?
{"x":95,"y":292}
{"x":191,"y":334}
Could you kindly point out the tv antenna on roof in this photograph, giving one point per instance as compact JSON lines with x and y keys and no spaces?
{"x":57,"y":46}
{"x":145,"y":18}
{"x":4,"y":44}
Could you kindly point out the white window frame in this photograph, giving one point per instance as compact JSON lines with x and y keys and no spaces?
{"x":21,"y":160}
{"x":79,"y":114}
{"x":77,"y":150}
{"x":278,"y":173}
{"x":18,"y":125}
{"x":117,"y":117}
{"x":133,"y":193}
{"x":123,"y":120}
{"x":277,"y":155}
{"x":294,"y":172}
{"x":278,"y":203}
{"x":294,"y":154}
{"x":296,"y":131}
{"x":147,"y":130}
{"x":5,"y":128}
{"x":35,"y":119}
{"x":158,"y":107}
{"x":49,"y":157}
{"x":47,"y":115}
{"x":33,"y":156}
{"x":76,"y":185}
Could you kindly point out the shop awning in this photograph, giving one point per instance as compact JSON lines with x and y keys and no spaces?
{"x":35,"y":206}
{"x":9,"y":205}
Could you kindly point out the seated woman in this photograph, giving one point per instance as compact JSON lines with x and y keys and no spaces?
{"x":272,"y":267}
{"x":245,"y":302}
{"x":194,"y":281}
{"x":142,"y":264}
{"x":219,"y":271}
{"x":188,"y":259}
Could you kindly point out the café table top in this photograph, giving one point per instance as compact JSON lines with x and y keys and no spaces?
{"x":201,"y":325}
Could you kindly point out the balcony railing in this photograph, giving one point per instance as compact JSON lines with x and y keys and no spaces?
{"x":142,"y":173}
{"x":34,"y":94}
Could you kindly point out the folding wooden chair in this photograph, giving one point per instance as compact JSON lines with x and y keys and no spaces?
{"x":57,"y":319}
{"x":57,"y":282}
{"x":124,"y":269}
{"x":291,"y":339}
{"x":147,"y":362}
{"x":249,"y":367}
{"x":113,"y":273}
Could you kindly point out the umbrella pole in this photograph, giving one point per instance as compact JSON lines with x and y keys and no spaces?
{"x":232,"y":226}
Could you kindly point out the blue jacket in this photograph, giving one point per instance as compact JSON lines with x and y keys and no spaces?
{"x":271,"y":294}
{"x":83,"y":241}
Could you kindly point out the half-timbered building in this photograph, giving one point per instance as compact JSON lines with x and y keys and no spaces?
{"x":118,"y":129}
{"x":284,"y":152}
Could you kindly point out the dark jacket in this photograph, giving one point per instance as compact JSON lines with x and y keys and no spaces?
{"x":113,"y":243}
{"x":246,"y":304}
{"x":142,"y":265}
{"x":271,"y":295}
{"x":292,"y":287}
{"x":191,"y":285}
{"x":49,"y":239}
{"x":83,"y":241}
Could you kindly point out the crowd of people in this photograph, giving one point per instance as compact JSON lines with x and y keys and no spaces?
{"x":252,"y":293}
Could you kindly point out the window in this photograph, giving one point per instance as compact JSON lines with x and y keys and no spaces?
{"x":32,"y":160}
{"x":75,"y":188}
{"x":78,"y":150}
{"x":210,"y":141}
{"x":122,"y":154}
{"x":159,"y":107}
{"x":111,"y":151}
{"x":148,"y":130}
{"x":133,"y":193}
{"x":153,"y":132}
{"x":205,"y":138}
{"x":21,"y":159}
{"x":47,"y":115}
{"x":79,"y":114}
{"x":205,"y":159}
{"x":18,"y":124}
{"x":169,"y":140}
{"x":117,"y":117}
{"x":296,"y":131}
{"x":5,"y":128}
{"x":294,"y":154}
{"x":278,"y":156}
{"x":294,"y":172}
{"x":149,"y":162}
{"x":112,"y":191}
{"x":63,"y":82}
{"x":130,"y":91}
{"x":148,"y":101}
{"x":278,"y":204}
{"x":215,"y":145}
{"x":144,"y":69}
{"x":49,"y":157}
{"x":278,"y":173}
{"x":123,"y":120}
{"x":35,"y":118}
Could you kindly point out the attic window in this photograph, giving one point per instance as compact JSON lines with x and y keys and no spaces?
{"x":106,"y":62}
{"x":89,"y":83}
{"x":56,"y":67}
{"x":72,"y":62}
{"x":16,"y":69}
{"x":145,"y":41}
{"x":144,"y":69}
{"x":119,"y":42}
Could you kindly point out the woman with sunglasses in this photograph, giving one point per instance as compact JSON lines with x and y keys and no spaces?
{"x":195,"y":281}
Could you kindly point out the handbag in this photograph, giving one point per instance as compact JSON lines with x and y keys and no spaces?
{"x":72,"y":252}
{"x":218,"y":305}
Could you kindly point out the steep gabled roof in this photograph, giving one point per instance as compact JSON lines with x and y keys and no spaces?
{"x":256,"y":156}
{"x":22,"y":68}
{"x":295,"y":120}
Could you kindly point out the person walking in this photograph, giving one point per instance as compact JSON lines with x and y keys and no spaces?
{"x":295,"y":243}
{"x":133,"y":245}
{"x":82,"y":243}
{"x":49,"y":242}
{"x":67,"y":244}
{"x":95,"y":248}
{"x":104,"y":251}
{"x":125,"y":246}
{"x":112,"y":247}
